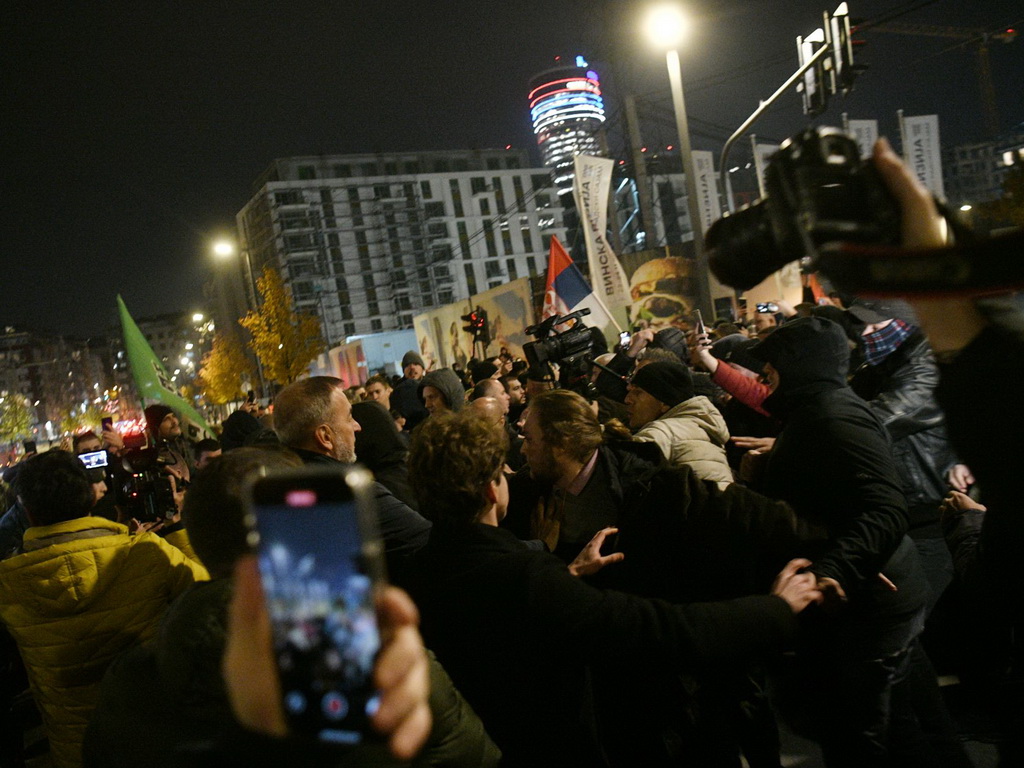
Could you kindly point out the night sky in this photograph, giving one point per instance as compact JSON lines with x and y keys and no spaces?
{"x":134,"y":131}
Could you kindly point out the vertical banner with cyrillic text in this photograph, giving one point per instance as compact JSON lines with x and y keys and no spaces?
{"x":591,"y":186}
{"x":707,"y":188}
{"x":865,"y":133}
{"x":922,"y":150}
{"x":762,"y":153}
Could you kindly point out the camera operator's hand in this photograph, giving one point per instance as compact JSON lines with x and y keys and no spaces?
{"x":400,"y":671}
{"x":949,"y":323}
{"x":701,"y":354}
{"x":638,"y":342}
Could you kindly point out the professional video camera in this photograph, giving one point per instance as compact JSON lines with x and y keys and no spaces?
{"x":570,"y":350}
{"x":147,"y":495}
{"x":817,"y":191}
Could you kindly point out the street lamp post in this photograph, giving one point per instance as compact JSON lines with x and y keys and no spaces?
{"x":666,"y":27}
{"x":224,"y":249}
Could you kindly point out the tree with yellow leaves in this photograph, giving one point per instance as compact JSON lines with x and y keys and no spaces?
{"x":285,"y":341}
{"x":225,"y":368}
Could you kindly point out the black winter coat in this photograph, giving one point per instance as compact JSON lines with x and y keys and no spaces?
{"x":832,"y":462}
{"x":683,"y":537}
{"x":521,"y":638}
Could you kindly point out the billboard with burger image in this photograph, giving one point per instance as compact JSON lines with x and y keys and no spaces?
{"x":660,"y":291}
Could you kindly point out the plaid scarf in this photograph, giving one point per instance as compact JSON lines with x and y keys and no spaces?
{"x":882,"y":343}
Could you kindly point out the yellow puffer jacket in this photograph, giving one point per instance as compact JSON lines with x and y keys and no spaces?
{"x":82,"y":592}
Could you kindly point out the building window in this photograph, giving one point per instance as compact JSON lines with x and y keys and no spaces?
{"x":370,"y":169}
{"x":342,"y":171}
{"x":493,"y":268}
{"x":540,"y":181}
{"x":381,"y":191}
{"x":437,"y":229}
{"x":425,"y":190}
{"x":373,"y":308}
{"x":477,"y":185}
{"x":434,"y":210}
{"x":493,"y":164}
{"x":512,"y":162}
{"x":306,"y":172}
{"x":412,"y":166}
{"x":517,"y":187}
{"x":456,"y":197}
{"x":485,"y":207}
{"x":288,"y":197}
{"x":532,"y":264}
{"x":461,"y":164}
{"x":499,"y":195}
{"x":464,"y":240}
{"x":470,"y":278}
{"x":349,"y":329}
{"x":524,"y":228}
{"x":506,"y":240}
{"x":492,"y":249}
{"x":391,"y":169}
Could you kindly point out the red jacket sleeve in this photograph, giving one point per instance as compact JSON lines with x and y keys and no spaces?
{"x":751,"y":392}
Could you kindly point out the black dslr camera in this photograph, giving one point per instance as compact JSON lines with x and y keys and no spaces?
{"x":571,"y":350}
{"x":147,"y":495}
{"x":817,"y":191}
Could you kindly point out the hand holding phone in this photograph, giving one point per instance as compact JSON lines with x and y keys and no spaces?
{"x":321,"y":564}
{"x":254,"y":689}
{"x":699,"y":327}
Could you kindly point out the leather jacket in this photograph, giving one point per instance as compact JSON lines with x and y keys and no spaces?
{"x":901,"y":392}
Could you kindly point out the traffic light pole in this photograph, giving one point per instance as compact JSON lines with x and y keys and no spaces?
{"x":723,"y":169}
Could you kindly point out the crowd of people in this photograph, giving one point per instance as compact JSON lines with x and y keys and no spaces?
{"x":651,"y":565}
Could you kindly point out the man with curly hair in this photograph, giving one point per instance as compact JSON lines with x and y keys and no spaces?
{"x":521,"y":635}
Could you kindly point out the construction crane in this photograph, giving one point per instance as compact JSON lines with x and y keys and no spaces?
{"x":968,"y":36}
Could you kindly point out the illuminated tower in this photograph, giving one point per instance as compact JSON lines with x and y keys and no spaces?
{"x":567,"y":112}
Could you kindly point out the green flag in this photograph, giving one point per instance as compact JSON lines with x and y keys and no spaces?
{"x":151,"y":377}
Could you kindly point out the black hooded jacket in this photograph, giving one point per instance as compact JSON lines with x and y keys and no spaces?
{"x":381,"y":449}
{"x":833,"y":463}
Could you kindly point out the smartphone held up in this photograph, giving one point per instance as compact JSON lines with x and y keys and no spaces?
{"x":321,"y":566}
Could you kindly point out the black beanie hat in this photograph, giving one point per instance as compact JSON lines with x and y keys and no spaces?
{"x":672,"y":339}
{"x":669,"y":383}
{"x":155,"y":414}
{"x":411,"y":357}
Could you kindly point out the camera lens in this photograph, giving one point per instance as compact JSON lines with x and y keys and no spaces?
{"x":741,"y":248}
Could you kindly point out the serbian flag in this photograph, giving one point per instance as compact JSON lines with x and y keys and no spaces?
{"x":568,"y":291}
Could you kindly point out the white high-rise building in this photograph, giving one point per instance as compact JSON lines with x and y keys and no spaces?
{"x":368,"y":241}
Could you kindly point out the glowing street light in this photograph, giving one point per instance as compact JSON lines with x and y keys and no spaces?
{"x":667,"y":28}
{"x":224,"y":248}
{"x":197,"y":317}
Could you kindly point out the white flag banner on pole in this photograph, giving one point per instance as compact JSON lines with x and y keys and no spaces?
{"x":590,"y":188}
{"x":922,"y":150}
{"x":762,"y":152}
{"x":865,"y":133}
{"x":707,"y":188}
